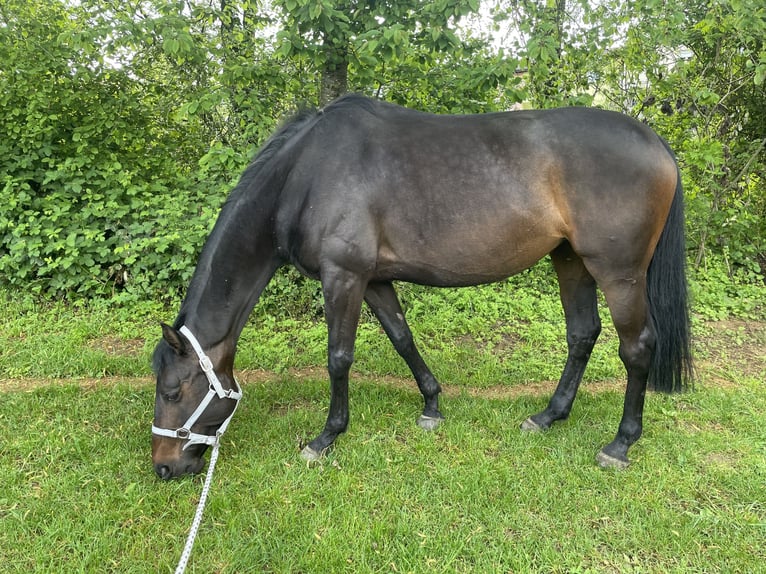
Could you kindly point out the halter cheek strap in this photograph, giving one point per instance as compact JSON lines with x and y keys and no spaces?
{"x":216,"y":390}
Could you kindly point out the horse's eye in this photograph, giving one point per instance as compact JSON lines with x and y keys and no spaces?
{"x":172,"y":396}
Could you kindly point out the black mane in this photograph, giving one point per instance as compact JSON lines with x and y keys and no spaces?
{"x":270,"y":149}
{"x":292,"y":127}
{"x":353,"y":101}
{"x":285,"y":134}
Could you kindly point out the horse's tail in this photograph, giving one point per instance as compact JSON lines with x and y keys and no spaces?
{"x":672,"y":366}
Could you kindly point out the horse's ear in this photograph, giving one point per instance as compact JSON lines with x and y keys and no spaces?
{"x":174,"y":339}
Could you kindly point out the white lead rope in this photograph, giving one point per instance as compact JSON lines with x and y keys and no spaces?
{"x":186,"y":554}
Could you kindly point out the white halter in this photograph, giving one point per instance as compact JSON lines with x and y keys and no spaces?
{"x":216,"y":389}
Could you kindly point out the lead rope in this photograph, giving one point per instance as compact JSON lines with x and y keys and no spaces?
{"x":186,"y":554}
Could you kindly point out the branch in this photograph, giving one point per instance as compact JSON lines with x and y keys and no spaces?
{"x":750,"y":160}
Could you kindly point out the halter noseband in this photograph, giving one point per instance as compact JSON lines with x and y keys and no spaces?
{"x":216,"y":389}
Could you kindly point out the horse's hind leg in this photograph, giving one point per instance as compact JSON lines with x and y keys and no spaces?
{"x":628,"y":305}
{"x":578,"y":297}
{"x":382,"y":299}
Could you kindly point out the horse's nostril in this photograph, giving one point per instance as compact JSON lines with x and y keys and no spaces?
{"x":163,"y":471}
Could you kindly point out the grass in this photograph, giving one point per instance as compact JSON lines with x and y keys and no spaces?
{"x":77,"y":493}
{"x":476,"y":496}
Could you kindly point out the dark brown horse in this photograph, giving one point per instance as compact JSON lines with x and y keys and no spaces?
{"x":365,"y":193}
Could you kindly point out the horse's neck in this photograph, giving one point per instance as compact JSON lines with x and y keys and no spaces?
{"x":231,"y":274}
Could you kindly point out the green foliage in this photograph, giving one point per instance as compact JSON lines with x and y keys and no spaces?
{"x":124,"y":125}
{"x":720,"y":289}
{"x":108,"y":180}
{"x":409,"y":52}
{"x":123,"y":128}
{"x":84,"y":171}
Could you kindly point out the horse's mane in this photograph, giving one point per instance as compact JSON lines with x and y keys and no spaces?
{"x":288,"y":130}
{"x":269,"y":149}
{"x":354,"y":101}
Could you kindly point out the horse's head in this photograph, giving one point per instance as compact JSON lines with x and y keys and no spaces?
{"x":195,"y":400}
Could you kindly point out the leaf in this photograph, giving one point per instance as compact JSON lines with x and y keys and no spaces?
{"x":171,"y":46}
{"x":760,"y":75}
{"x":285,"y":46}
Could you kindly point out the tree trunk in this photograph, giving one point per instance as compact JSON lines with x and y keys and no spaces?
{"x":334,"y":82}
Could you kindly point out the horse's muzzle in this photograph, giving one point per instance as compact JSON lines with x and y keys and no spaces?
{"x":168,"y":470}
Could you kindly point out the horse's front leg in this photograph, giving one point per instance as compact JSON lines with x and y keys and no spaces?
{"x":343,"y":293}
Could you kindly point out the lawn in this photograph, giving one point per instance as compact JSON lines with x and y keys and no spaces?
{"x":77,"y":492}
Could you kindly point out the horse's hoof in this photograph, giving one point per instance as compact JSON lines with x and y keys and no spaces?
{"x":310,"y":455}
{"x":429,"y":423}
{"x":531,"y":426}
{"x":607,"y":461}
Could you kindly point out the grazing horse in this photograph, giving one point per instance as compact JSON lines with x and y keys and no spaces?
{"x":364,"y":193}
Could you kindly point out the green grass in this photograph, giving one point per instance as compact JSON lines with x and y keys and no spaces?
{"x":475,"y":496}
{"x":77,"y":492}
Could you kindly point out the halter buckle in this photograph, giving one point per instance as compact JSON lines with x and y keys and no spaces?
{"x":183,"y":433}
{"x":206,"y":364}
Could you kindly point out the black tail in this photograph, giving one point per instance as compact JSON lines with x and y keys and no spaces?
{"x":672,"y":365}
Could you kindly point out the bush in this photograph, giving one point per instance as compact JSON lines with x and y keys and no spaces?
{"x":719,"y":291}
{"x":92,"y":200}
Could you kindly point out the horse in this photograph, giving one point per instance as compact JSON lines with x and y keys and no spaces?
{"x":364,"y":193}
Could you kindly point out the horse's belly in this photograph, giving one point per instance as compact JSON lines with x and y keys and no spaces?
{"x":459,"y":259}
